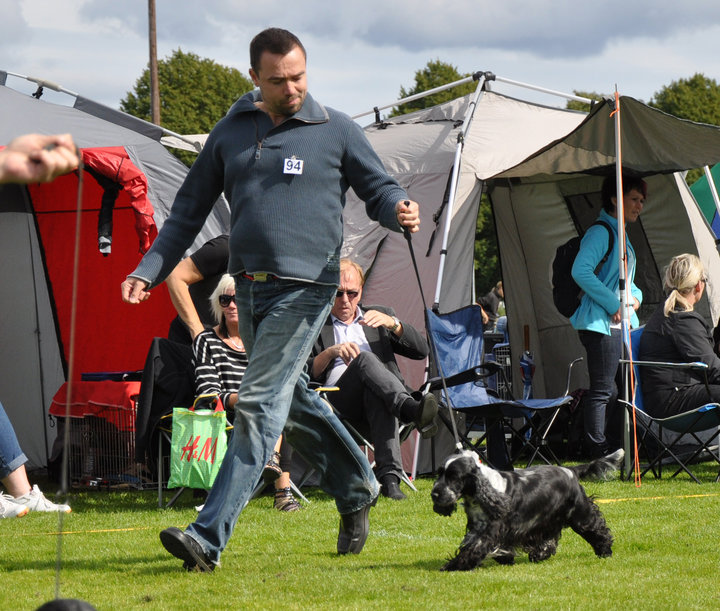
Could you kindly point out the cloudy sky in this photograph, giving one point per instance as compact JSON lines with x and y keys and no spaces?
{"x":360,"y":53}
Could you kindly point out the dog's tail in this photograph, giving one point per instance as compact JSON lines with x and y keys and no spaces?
{"x":600,"y":468}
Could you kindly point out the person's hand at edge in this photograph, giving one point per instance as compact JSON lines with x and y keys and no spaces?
{"x":37,"y":158}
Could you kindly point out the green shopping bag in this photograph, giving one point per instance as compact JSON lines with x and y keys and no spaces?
{"x":198,"y":445}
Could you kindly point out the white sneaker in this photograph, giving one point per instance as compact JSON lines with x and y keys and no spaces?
{"x":35,"y":501}
{"x":8,"y":509}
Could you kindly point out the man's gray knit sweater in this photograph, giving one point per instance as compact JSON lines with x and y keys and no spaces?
{"x":287,"y":224}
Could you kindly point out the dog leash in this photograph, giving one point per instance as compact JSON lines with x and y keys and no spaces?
{"x":63,"y":493}
{"x":431,"y":341}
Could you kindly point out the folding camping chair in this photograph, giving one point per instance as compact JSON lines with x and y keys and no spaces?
{"x":457,"y":349}
{"x":686,"y":425}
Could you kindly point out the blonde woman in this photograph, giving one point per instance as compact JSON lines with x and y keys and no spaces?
{"x":219,"y":360}
{"x":677,"y":333}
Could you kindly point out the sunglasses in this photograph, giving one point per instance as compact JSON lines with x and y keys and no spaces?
{"x":225,"y":300}
{"x":350,"y":294}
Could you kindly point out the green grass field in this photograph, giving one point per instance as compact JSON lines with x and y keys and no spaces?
{"x":666,"y":556}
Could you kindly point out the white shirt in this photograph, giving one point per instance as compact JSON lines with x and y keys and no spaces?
{"x":352,"y":332}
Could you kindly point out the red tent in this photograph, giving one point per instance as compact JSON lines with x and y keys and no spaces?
{"x":129,"y":184}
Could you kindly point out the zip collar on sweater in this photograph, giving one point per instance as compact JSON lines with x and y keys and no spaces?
{"x":310,"y":112}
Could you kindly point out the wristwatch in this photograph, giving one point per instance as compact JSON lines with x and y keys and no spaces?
{"x":395,"y":326}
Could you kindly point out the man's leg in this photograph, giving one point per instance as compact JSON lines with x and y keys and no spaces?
{"x":320,"y":438}
{"x":366,"y":372}
{"x":279,"y":321}
{"x":374,"y":415}
{"x":345,"y":472}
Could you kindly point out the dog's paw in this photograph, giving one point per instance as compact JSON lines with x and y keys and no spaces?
{"x":506,"y":560}
{"x":502,"y":556}
{"x":453,"y":565}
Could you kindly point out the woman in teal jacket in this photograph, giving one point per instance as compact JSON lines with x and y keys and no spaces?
{"x":599,"y":315}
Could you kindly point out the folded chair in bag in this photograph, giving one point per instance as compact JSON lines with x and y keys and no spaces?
{"x":164,"y":441}
{"x":197,"y":445}
{"x":686,"y":425}
{"x":457,"y":349}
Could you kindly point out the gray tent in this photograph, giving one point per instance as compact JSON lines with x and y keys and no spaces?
{"x":419,"y":150}
{"x":37,"y":230}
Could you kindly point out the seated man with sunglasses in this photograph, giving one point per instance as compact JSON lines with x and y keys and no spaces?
{"x":356,"y":352}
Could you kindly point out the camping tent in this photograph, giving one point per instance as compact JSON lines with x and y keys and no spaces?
{"x":543,"y":201}
{"x":418,"y":149}
{"x":37,"y":228}
{"x":533,"y":214}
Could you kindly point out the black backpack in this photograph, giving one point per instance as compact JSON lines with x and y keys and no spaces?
{"x":566,"y":292}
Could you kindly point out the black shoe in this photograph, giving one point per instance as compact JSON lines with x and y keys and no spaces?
{"x":597,"y":450}
{"x":183,"y":546}
{"x":354,"y":528}
{"x":425,"y":418}
{"x":390,"y":487}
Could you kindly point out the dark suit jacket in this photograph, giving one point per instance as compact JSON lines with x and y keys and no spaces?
{"x":681,"y":337}
{"x":382,"y":343}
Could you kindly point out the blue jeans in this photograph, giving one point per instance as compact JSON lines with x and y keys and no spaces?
{"x":11,"y":456}
{"x":279,"y":321}
{"x":603,"y":359}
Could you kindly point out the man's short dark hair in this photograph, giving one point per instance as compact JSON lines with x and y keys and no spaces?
{"x":273,"y":40}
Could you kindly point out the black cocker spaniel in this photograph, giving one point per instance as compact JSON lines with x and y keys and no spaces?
{"x":525,"y":509}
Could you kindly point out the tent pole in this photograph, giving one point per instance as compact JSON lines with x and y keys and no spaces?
{"x":622,"y":259}
{"x":417,"y":96}
{"x":468,"y":79}
{"x":567,"y":96}
{"x":467,"y":120}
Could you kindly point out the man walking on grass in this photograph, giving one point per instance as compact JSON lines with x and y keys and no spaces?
{"x":284,"y":162}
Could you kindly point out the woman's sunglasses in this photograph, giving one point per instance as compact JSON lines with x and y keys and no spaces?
{"x":225,"y":300}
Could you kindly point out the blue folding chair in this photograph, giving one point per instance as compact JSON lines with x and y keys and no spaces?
{"x":462,"y":376}
{"x":686,"y":425}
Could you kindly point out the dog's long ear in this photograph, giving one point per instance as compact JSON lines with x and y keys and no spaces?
{"x":495,"y":503}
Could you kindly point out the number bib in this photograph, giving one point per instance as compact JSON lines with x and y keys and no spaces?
{"x":292,"y":165}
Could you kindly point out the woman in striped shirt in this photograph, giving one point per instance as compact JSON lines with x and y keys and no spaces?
{"x":219,"y":360}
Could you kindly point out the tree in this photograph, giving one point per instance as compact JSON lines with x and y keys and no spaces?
{"x":487,"y":262}
{"x":194,"y":94}
{"x":696,"y":99}
{"x":435,"y":74}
